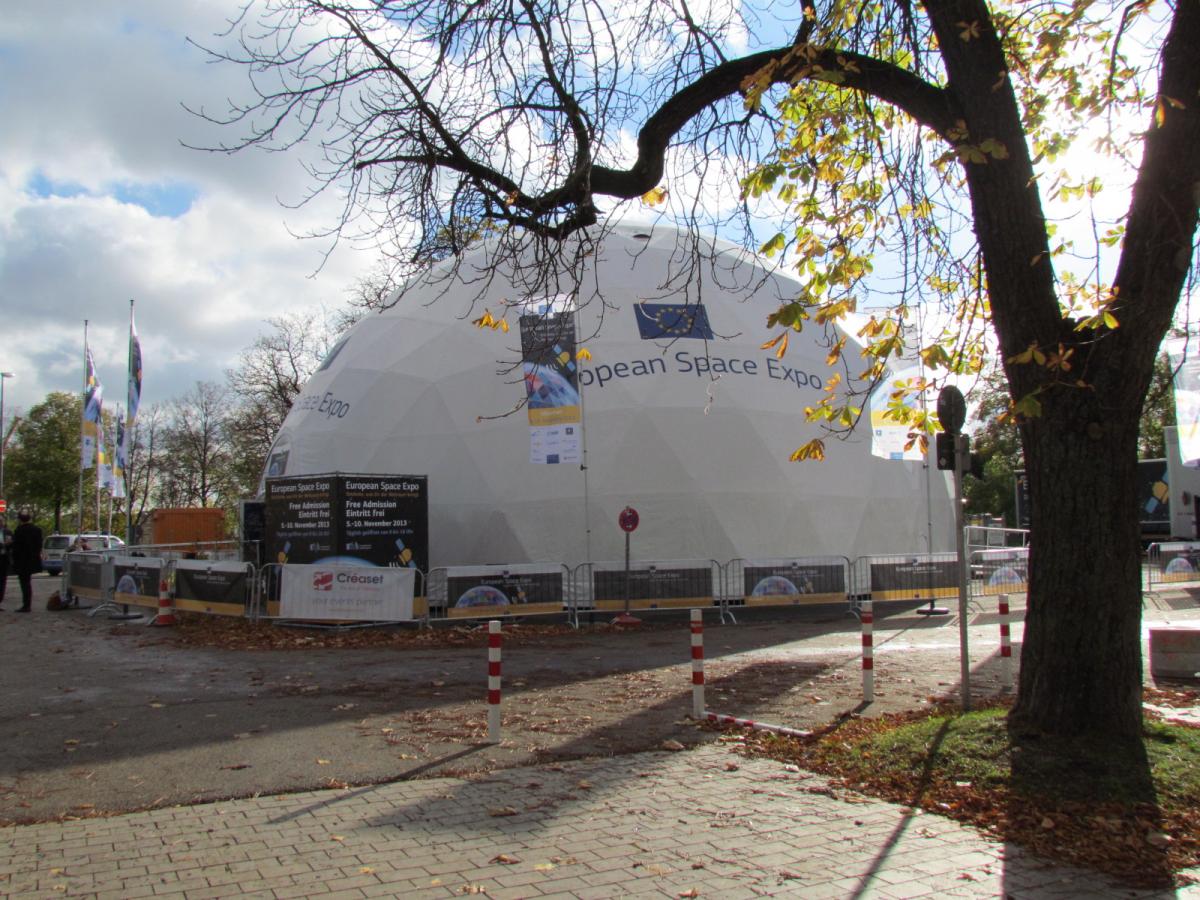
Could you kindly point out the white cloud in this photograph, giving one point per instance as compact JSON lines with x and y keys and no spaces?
{"x":94,"y":137}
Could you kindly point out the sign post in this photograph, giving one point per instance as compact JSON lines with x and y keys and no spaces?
{"x":952,"y":413}
{"x":628,"y":520}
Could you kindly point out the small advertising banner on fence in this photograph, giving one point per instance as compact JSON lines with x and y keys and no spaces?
{"x":347,"y":593}
{"x":1001,"y":571}
{"x":653,"y":588}
{"x":219,"y":588}
{"x":1178,"y":561}
{"x":926,"y":577}
{"x":773,"y":583}
{"x":504,"y":592}
{"x":85,"y":576}
{"x":135,"y":580}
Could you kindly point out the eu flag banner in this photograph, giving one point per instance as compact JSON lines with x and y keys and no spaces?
{"x":672,"y":320}
{"x":135,"y":384}
{"x":92,"y":404}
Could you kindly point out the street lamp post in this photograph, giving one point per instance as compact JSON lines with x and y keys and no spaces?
{"x":4,"y":376}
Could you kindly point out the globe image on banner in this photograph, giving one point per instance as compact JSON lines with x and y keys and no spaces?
{"x":1005,"y":575}
{"x":482,"y":595}
{"x":775,"y":586}
{"x":1180,"y":565}
{"x":547,"y":388}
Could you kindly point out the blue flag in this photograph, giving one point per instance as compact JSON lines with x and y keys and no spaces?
{"x":672,"y":320}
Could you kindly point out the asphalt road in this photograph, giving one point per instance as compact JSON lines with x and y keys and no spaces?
{"x":101,"y":716}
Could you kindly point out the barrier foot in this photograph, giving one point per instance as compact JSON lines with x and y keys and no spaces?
{"x":626,"y":619}
{"x":933,"y":611}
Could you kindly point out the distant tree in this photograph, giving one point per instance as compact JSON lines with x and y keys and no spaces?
{"x":1158,"y":413}
{"x":42,"y":465}
{"x":195,"y":462}
{"x":266,"y":381}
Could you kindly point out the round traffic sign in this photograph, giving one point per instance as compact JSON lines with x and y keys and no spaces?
{"x":951,"y":409}
{"x":628,"y":520}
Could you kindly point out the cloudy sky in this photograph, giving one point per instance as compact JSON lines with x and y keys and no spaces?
{"x":101,"y":203}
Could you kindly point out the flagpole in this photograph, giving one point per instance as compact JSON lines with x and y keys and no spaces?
{"x":127,"y":443}
{"x":587,"y":518}
{"x":83,"y":413}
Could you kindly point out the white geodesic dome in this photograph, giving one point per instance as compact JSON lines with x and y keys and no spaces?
{"x":702,"y":455}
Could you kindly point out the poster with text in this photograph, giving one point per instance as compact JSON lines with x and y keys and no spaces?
{"x":347,"y":593}
{"x":793,"y":583}
{"x":653,"y":588}
{"x":385,"y":520}
{"x":135,"y":581}
{"x":212,"y":587}
{"x":551,"y":387}
{"x":301,"y":527}
{"x":505,"y":593}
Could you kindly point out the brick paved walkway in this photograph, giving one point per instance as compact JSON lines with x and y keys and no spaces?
{"x":648,"y":825}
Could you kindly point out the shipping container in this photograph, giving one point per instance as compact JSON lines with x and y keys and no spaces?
{"x":184,"y":526}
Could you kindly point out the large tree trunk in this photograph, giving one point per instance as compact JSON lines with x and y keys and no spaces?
{"x":1081,"y":661}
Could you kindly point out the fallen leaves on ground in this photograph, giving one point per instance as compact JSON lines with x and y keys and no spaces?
{"x":240,"y":634}
{"x":1141,"y":844}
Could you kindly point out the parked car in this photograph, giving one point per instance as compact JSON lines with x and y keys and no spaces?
{"x":56,"y":547}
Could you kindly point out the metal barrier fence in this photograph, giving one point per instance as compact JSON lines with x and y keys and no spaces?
{"x":647,"y":584}
{"x":914,"y":576}
{"x":796,"y":581}
{"x":458,"y":592}
{"x":1175,"y":563}
{"x":271,"y":600}
{"x":205,"y":579}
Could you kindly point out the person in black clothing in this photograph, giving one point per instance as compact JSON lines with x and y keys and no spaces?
{"x":26,"y":555}
{"x":5,"y":546}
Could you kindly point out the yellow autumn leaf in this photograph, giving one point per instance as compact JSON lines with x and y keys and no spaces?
{"x":782,"y":347}
{"x":583,"y":354}
{"x":969,"y":30}
{"x":655,"y":197}
{"x":814,"y":449}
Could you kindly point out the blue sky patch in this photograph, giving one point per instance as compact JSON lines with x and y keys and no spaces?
{"x":169,"y":199}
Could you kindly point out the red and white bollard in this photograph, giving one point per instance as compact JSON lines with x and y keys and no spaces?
{"x":868,"y":651}
{"x":493,"y":699}
{"x":166,"y":610}
{"x":697,"y":664}
{"x":1006,"y":673}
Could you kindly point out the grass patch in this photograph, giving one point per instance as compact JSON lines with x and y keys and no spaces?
{"x":1125,"y":809}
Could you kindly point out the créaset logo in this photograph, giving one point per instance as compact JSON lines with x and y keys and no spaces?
{"x":322,"y":581}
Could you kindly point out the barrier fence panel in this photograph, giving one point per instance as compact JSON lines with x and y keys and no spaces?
{"x":653,"y":584}
{"x":797,"y":581}
{"x":521,"y":589}
{"x":999,"y":571}
{"x":135,"y":580}
{"x":86,"y":577}
{"x":916,"y":576}
{"x":1176,"y":562}
{"x":267,"y":594}
{"x":217,"y":588}
{"x":343,"y":594}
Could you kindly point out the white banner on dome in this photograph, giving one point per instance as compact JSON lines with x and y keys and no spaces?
{"x":339,"y":593}
{"x":888,"y":436}
{"x":1187,"y":396}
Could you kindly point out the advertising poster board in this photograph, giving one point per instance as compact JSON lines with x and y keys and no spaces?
{"x":794,"y":583}
{"x":220,"y":588}
{"x":384,"y":519}
{"x":551,"y":387}
{"x":135,"y":580}
{"x":653,"y":588}
{"x":1180,"y":561}
{"x":300,"y":518}
{"x":504,"y":593}
{"x":373,"y":520}
{"x":85,"y":576}
{"x":347,"y":593}
{"x":926,"y":577}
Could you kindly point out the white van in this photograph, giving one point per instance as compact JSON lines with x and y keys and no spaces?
{"x":56,"y":547}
